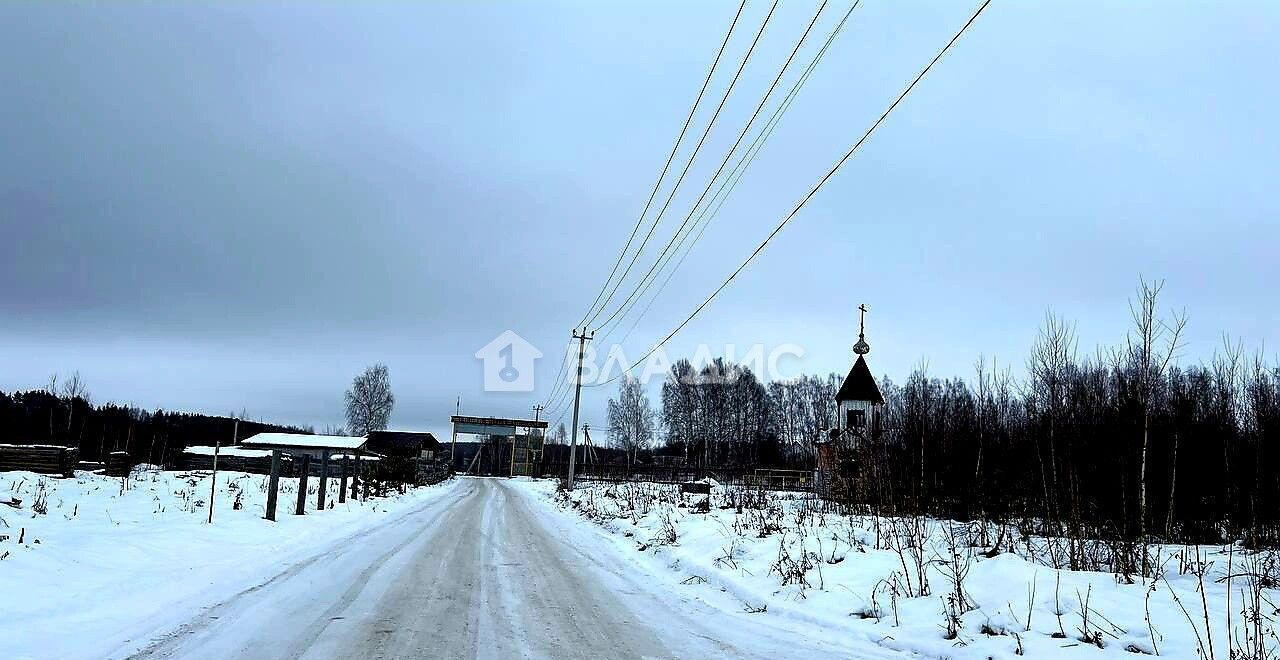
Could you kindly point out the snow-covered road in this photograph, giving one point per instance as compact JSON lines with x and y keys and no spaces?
{"x":494,"y":572}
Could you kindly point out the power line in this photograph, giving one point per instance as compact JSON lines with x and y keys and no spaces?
{"x":560,"y":399}
{"x":731,"y":182}
{"x":667,"y":254}
{"x":657,"y":184}
{"x":558,"y":383}
{"x":563,"y":363}
{"x":813,"y":191}
{"x":727,"y":157}
{"x":710,"y":124}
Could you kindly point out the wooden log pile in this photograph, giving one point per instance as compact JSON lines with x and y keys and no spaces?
{"x":44,"y":459}
{"x":252,"y":465}
{"x":119,"y":464}
{"x":432,"y":472}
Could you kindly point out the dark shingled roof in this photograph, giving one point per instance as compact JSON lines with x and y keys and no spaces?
{"x":859,"y":385}
{"x":382,"y":441}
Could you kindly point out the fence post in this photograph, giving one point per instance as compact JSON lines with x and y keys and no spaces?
{"x":355,"y":477}
{"x":324,"y":479}
{"x":302,"y":486}
{"x":342,"y":487}
{"x":273,"y":485}
{"x":367,"y":469}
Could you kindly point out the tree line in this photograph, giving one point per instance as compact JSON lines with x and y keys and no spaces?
{"x":722,"y":415}
{"x":56,"y":416}
{"x":63,"y":414}
{"x":1119,"y":443}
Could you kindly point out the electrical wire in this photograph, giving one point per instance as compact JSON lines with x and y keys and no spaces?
{"x":693,"y":156}
{"x":564,"y":361}
{"x":712,"y":209}
{"x":649,"y":276}
{"x":674,"y":148}
{"x":812,"y":191}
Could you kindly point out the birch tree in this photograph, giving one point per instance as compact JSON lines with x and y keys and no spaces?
{"x":631,"y":419}
{"x":1152,"y":344}
{"x":369,"y":401}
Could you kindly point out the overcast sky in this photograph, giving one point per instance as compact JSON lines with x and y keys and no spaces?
{"x":238,"y":207}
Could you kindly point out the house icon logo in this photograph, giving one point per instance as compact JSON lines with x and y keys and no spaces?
{"x":508,"y":363}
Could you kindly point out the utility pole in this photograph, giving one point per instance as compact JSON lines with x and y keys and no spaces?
{"x":542,"y":439}
{"x":588,"y":447}
{"x":577,"y":399}
{"x":453,"y":448}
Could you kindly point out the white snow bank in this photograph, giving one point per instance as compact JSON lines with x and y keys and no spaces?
{"x":97,"y":563}
{"x":795,"y":561}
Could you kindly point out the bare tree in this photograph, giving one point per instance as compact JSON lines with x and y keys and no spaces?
{"x":74,"y":388}
{"x":369,"y":401}
{"x":631,"y":419}
{"x":1151,"y":346}
{"x":1049,"y":367}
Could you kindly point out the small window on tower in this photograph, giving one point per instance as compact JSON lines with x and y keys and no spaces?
{"x":856,"y":419}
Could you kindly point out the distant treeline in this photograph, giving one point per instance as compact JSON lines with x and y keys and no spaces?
{"x":42,"y":417}
{"x":1121,"y":444}
{"x":1099,"y":447}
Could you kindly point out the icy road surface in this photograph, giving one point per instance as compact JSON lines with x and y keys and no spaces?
{"x":491,"y":573}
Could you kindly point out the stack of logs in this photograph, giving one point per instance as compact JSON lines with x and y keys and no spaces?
{"x":118,"y":464}
{"x":44,"y":459}
{"x":250,"y":464}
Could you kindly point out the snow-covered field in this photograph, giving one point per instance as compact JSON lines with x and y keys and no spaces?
{"x":786,"y":556}
{"x":96,"y":566}
{"x":95,"y":563}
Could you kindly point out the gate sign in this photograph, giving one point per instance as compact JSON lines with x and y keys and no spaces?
{"x":492,"y":425}
{"x":484,"y":429}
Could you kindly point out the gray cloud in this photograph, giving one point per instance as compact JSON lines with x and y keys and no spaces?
{"x":239,"y":206}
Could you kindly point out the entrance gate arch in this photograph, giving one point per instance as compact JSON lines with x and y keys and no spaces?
{"x":517,"y":444}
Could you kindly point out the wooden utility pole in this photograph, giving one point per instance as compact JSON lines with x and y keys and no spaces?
{"x":577,"y":399}
{"x":588,"y":447}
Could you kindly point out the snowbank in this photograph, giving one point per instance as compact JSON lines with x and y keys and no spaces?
{"x":795,"y":559}
{"x":94,"y":563}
